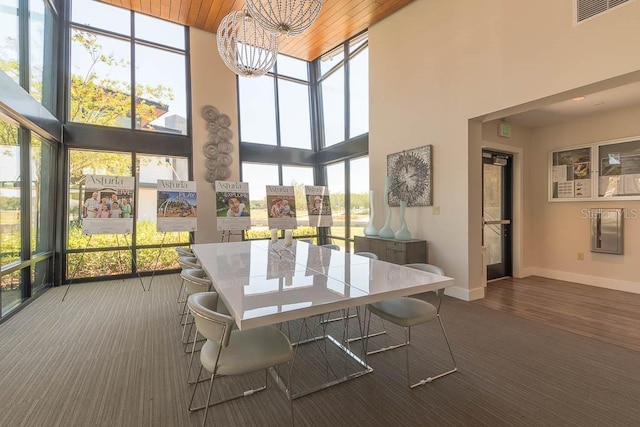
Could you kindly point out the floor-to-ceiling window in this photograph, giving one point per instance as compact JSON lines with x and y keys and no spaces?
{"x":276,"y":111}
{"x":316,"y":118}
{"x":26,"y":203}
{"x":27,"y":151}
{"x":10,"y":212}
{"x":127,"y":115}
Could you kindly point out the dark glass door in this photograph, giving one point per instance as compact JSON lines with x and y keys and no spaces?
{"x":496,"y":212}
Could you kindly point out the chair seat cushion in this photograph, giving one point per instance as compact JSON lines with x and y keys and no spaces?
{"x":404,"y":311}
{"x":248,"y":351}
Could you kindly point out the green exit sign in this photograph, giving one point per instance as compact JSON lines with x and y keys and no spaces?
{"x":504,"y":129}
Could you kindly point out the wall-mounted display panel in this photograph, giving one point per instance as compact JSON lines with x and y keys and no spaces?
{"x":570,"y":174}
{"x":599,"y":171}
{"x":619,"y":175}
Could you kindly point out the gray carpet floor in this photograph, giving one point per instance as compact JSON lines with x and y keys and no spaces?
{"x":110,"y":355}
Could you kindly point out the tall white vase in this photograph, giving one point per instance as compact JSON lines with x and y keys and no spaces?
{"x":386,"y":232}
{"x":370,"y":229}
{"x":403,"y":233}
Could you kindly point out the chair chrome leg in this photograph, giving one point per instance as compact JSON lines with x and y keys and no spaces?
{"x":206,"y":407}
{"x":407,"y":337}
{"x":447,"y":341}
{"x":185,"y":312}
{"x":184,"y":327}
{"x":180,"y":292}
{"x":451,"y":371}
{"x":193,"y":352}
{"x":367,"y":335}
{"x":195,"y":387}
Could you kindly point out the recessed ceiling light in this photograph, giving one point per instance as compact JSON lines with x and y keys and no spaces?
{"x":578,"y":98}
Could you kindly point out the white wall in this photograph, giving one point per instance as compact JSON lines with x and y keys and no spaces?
{"x":434,"y":65}
{"x":562,"y":229}
{"x":212,"y":83}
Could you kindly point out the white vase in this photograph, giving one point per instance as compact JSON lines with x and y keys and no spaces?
{"x":403,"y":233}
{"x":370,"y":229}
{"x":386,"y":232}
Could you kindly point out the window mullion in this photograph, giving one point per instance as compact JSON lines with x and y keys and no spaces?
{"x":347,"y":101}
{"x":132,"y":58}
{"x":25,"y":207}
{"x":277,"y":101}
{"x":347,"y":200}
{"x":23,"y":44}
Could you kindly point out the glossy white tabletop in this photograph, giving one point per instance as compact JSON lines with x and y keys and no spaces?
{"x":263,"y":283}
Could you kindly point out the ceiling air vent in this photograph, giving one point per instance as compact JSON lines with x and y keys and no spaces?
{"x":586,"y":9}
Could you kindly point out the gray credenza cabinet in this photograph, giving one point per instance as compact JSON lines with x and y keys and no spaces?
{"x":391,"y":250}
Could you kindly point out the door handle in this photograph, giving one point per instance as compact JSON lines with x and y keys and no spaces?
{"x":498,"y":221}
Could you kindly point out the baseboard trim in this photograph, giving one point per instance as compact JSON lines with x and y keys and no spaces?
{"x":526,"y":272}
{"x":601,"y":282}
{"x":465,"y":294}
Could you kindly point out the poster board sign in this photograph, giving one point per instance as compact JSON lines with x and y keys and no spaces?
{"x":108,"y":206}
{"x":318,"y":205}
{"x":177,"y":206}
{"x":232,"y":205}
{"x":281,"y":207}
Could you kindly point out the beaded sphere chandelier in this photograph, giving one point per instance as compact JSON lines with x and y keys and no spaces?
{"x":284,"y":17}
{"x":245,"y":47}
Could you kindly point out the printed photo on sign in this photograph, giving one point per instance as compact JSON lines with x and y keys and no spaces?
{"x":108,"y":205}
{"x":232,"y":205}
{"x":177,"y":206}
{"x":318,"y":206}
{"x":281,"y":206}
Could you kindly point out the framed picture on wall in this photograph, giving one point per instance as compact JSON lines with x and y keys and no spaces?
{"x":410,"y":173}
{"x":619,"y":175}
{"x":598,"y":171}
{"x":570,"y":174}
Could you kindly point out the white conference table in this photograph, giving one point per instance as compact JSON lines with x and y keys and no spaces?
{"x":264,"y":283}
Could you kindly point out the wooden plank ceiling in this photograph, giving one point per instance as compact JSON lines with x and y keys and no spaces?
{"x":338,"y":21}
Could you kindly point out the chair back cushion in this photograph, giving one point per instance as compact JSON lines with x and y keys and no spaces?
{"x":214,"y":326}
{"x":195,"y":280}
{"x":184,"y":251}
{"x":188,"y":262}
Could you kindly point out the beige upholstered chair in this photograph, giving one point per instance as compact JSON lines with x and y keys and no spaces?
{"x":234,"y":352}
{"x":408,"y":312}
{"x":210,"y":303}
{"x":185,"y":261}
{"x":195,"y":280}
